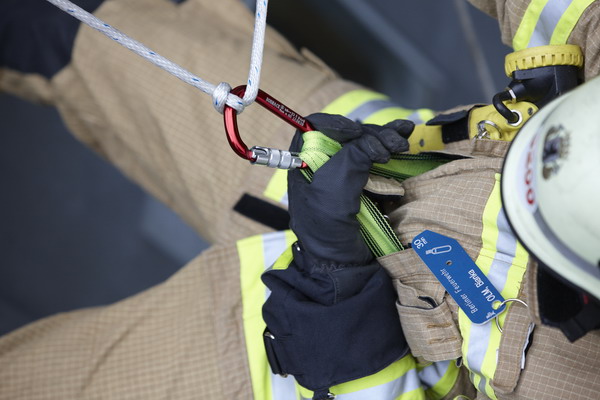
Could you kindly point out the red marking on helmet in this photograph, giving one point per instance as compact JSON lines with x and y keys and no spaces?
{"x":530,"y":195}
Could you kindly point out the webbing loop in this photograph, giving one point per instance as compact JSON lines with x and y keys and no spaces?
{"x":376,"y":231}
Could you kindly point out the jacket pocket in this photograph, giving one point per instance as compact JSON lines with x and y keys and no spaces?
{"x":430,"y":331}
{"x":426,"y":318}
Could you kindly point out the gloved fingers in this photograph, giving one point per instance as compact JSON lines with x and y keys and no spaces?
{"x":337,"y":127}
{"x":373,"y":147}
{"x":342,"y":176}
{"x":350,"y":166}
{"x":347,"y":172}
{"x":403,"y":126}
{"x":389,"y":138}
{"x":392,"y":135}
{"x":298,"y":187}
{"x":297,"y":142}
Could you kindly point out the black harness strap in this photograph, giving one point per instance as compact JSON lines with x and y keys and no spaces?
{"x":263,"y":212}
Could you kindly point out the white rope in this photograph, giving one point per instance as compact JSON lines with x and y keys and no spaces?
{"x":220,"y":93}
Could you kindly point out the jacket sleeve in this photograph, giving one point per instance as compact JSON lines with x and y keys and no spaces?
{"x":531,"y":23}
{"x":36,"y":43}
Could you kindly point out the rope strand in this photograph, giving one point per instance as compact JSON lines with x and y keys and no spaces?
{"x":220,"y":93}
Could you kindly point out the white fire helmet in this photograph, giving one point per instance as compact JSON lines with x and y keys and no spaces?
{"x":551,"y":186}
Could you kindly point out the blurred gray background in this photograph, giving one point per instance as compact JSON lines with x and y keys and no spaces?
{"x":75,"y":233}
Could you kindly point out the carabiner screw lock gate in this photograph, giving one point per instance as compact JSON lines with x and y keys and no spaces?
{"x":275,"y":158}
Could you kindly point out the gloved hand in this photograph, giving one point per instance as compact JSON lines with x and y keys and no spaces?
{"x":323,"y":212}
{"x":331,"y":316}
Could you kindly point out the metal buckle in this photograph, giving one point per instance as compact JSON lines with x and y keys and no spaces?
{"x":503,"y":303}
{"x":482,"y":132}
{"x":268,"y":338}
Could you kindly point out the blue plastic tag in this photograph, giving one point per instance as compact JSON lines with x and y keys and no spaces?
{"x":458,"y":273}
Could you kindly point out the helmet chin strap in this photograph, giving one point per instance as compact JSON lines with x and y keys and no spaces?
{"x":574,"y":312}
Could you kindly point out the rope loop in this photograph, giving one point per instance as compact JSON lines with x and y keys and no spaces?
{"x":219,"y":96}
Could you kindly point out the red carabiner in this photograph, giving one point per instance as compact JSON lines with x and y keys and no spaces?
{"x":263,"y":155}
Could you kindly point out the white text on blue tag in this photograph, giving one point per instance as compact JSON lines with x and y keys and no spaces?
{"x":460,"y":276}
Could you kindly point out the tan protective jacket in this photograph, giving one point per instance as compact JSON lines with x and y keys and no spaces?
{"x":183,"y":339}
{"x":461,"y":200}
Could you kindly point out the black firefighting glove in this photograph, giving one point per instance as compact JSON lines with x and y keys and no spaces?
{"x":331,"y":315}
{"x":323,"y":212}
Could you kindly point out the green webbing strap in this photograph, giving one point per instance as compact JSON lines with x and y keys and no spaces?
{"x":376,"y":231}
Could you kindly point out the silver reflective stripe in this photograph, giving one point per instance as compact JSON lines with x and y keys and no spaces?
{"x":415,"y":117}
{"x":432,"y":374}
{"x":506,"y":250}
{"x":274,"y":244}
{"x":387,"y":391}
{"x":478,"y":344}
{"x":369,"y":108}
{"x":544,"y":28}
{"x":284,"y":200}
{"x":283,"y":388}
{"x":482,"y":384}
{"x":479,"y":337}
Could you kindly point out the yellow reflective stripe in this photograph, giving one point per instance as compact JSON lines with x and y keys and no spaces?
{"x":284,"y":260}
{"x":277,"y":187}
{"x":484,"y":261}
{"x":256,"y":253}
{"x":548,"y":22}
{"x":347,"y":102}
{"x":490,"y":233}
{"x":398,"y":381}
{"x":388,"y":374}
{"x":250,"y":251}
{"x":425,"y":114}
{"x":386,"y":115}
{"x":528,"y":24}
{"x":485,"y":339}
{"x":568,"y":21}
{"x":511,"y":288}
{"x":444,"y":383}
